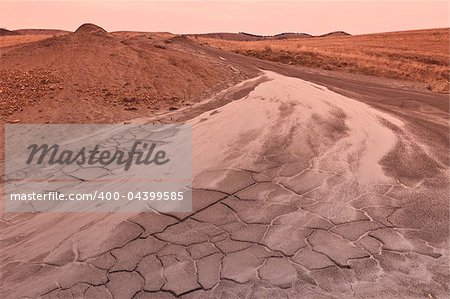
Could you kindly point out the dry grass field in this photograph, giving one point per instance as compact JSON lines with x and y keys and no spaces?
{"x":420,"y":55}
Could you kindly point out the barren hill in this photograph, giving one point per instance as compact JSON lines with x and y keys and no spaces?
{"x":41,"y":31}
{"x":95,"y":76}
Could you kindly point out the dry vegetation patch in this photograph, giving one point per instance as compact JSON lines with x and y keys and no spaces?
{"x":421,"y":55}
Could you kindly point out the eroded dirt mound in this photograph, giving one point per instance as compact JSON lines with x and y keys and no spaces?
{"x":98,"y":77}
{"x":89,"y":28}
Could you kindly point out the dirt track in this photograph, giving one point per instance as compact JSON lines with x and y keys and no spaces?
{"x":299,"y":192}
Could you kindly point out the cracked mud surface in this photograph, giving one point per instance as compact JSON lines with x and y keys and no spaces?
{"x":298,"y":193}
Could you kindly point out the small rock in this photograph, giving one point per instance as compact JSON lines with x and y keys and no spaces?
{"x":131,"y":108}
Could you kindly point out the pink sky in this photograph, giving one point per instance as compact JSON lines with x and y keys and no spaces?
{"x":261,"y":17}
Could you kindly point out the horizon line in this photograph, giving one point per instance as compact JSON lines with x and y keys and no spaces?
{"x":234,"y":32}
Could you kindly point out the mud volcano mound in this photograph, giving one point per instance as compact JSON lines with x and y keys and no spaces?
{"x":89,"y":28}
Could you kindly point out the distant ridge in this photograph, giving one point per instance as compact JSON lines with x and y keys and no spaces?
{"x":245,"y":36}
{"x":335,"y":33}
{"x":41,"y":31}
{"x":4,"y":32}
{"x":284,"y":35}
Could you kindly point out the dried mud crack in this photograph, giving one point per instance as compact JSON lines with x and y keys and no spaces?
{"x":291,"y":199}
